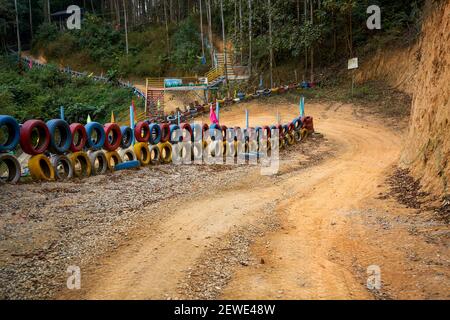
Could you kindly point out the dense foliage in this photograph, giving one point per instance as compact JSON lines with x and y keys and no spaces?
{"x":39,"y":93}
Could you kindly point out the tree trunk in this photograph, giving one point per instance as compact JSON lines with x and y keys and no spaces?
{"x":250,"y":37}
{"x":126,"y":26}
{"x":31,"y":18}
{"x":270,"y":44}
{"x":167,"y":28}
{"x":201,"y":29}
{"x":210,"y":35}
{"x":19,"y":45}
{"x":224,"y":42}
{"x":312,"y":45}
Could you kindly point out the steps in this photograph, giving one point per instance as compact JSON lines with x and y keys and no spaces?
{"x":155,"y":102}
{"x":229,"y":68}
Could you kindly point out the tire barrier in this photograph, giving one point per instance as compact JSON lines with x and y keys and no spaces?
{"x":113,"y":136}
{"x":95,"y":135}
{"x":297,"y":122}
{"x":308,"y":123}
{"x":228,"y":149}
{"x":81,"y":164}
{"x":41,"y":168}
{"x":79,"y":137}
{"x":63,"y":167}
{"x":60,"y":136}
{"x":181,"y":152}
{"x":186,"y":132}
{"x":142,"y":153}
{"x":155,"y":134}
{"x":224,"y":131}
{"x":112,"y":159}
{"x":13,"y":167}
{"x":214,"y":129}
{"x":127,"y":137}
{"x":127,"y":155}
{"x":197,"y":132}
{"x":165,"y":132}
{"x":48,"y":142}
{"x":142,"y":131}
{"x":290,"y":139}
{"x":155,"y":155}
{"x":215,"y":149}
{"x":99,"y":163}
{"x":34,"y":137}
{"x":127,"y":165}
{"x":175,"y":134}
{"x":297,"y":136}
{"x":304,"y":133}
{"x":197,"y":151}
{"x":166,"y":152}
{"x":12,"y":133}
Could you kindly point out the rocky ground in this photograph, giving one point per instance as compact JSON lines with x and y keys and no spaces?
{"x":46,"y":227}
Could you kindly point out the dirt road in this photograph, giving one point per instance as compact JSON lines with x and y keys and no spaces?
{"x":311,"y":238}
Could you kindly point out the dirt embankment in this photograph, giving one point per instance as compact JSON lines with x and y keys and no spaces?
{"x":423,"y":71}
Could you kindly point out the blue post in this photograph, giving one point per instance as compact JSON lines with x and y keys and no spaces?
{"x":132,"y":123}
{"x":302,"y":106}
{"x":217,"y":111}
{"x":178,"y":116}
{"x":246,"y":118}
{"x":61,"y":112}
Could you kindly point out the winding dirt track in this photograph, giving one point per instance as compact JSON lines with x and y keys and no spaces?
{"x":312,"y":205}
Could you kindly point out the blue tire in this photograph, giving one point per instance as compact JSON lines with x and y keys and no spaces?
{"x":174,"y":137}
{"x":127,"y":137}
{"x":13,"y":133}
{"x":127,"y":165}
{"x":61,"y":145}
{"x":297,"y":122}
{"x":91,"y":128}
{"x":155,"y":133}
{"x":212,"y":128}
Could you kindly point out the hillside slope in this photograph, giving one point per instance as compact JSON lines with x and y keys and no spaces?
{"x":423,"y":71}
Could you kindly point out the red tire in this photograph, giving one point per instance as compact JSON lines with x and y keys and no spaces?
{"x":224,"y":132}
{"x":43,"y":138}
{"x":188,"y":128}
{"x":142,"y":131}
{"x":291,"y":127}
{"x":165,"y":132}
{"x":77,"y":129}
{"x":267,"y":130}
{"x":205,"y":128}
{"x":116,"y":138}
{"x":280,"y":130}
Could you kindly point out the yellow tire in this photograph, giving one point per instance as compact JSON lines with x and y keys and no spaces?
{"x":81,"y":164}
{"x":142,"y":153}
{"x":304,"y":133}
{"x":166,"y":152}
{"x":113,"y":159}
{"x":41,"y":168}
{"x":290,"y":139}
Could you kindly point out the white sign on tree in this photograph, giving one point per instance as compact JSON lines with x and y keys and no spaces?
{"x":352,"y":64}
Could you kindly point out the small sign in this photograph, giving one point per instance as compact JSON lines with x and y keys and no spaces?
{"x":353,"y":63}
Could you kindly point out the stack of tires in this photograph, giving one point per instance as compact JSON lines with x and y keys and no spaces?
{"x":10,"y":170}
{"x":59,"y":151}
